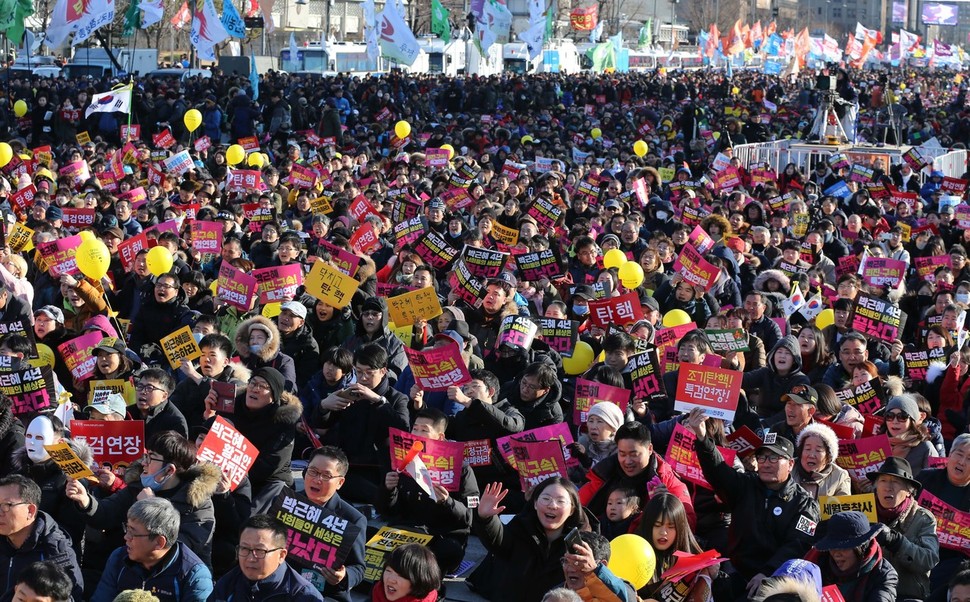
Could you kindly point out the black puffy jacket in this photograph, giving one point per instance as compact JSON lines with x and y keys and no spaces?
{"x":47,"y":541}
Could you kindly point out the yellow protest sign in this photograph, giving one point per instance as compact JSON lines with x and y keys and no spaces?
{"x":62,"y":454}
{"x":329,"y":285}
{"x":271,"y":310}
{"x":505,"y":235}
{"x":800,"y":225}
{"x":382,"y":544}
{"x":404,"y":333}
{"x":180,"y":345}
{"x":83,"y":138}
{"x":20,"y":238}
{"x":322,"y":205}
{"x":125,"y":388}
{"x":406,"y":309}
{"x":907,"y":231}
{"x":833,"y":504}
{"x":666,"y":173}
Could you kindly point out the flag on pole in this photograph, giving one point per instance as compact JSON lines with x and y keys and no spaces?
{"x":794,"y":302}
{"x":396,"y":39}
{"x":584,"y":19}
{"x":21,"y":10}
{"x":646,"y":35}
{"x":80,"y":18}
{"x":414,"y":466}
{"x":182,"y":17}
{"x":110,"y":102}
{"x":153,"y":12}
{"x":603,"y":56}
{"x":533,"y":38}
{"x":440,"y":24}
{"x":207,"y":30}
{"x":294,"y":50}
{"x":813,"y":307}
{"x":132,"y":20}
{"x":253,"y":75}
{"x":232,"y":21}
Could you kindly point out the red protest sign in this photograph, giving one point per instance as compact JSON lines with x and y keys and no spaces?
{"x":862,"y":456}
{"x":77,"y":219}
{"x":438,"y":368}
{"x":361,"y":208}
{"x":831,"y":593}
{"x":279,"y":283}
{"x":59,"y":255}
{"x":228,"y":449}
{"x":250,"y":143}
{"x":365,"y":240}
{"x":164,"y":139}
{"x":443,"y":458}
{"x":206,"y":237}
{"x":559,"y":431}
{"x":128,"y":250}
{"x":24,"y":198}
{"x":236,"y":287}
{"x":621,"y":310}
{"x":536,"y":461}
{"x":589,"y":393}
{"x":715,"y":390}
{"x":694,"y":268}
{"x":683,"y":460}
{"x":114,"y":444}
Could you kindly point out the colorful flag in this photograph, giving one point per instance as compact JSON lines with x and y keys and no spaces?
{"x":232,"y":21}
{"x":153,"y":12}
{"x":533,"y":38}
{"x":646,"y":35}
{"x":439,"y":21}
{"x":132,"y":20}
{"x":584,"y":19}
{"x":109,"y":102}
{"x":207,"y":30}
{"x":371,"y":36}
{"x":396,"y":39}
{"x":182,"y":17}
{"x":253,"y":75}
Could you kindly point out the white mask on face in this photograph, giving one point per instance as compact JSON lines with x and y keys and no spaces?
{"x":40,"y":432}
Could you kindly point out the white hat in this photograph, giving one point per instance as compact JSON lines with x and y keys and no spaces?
{"x":609,"y":412}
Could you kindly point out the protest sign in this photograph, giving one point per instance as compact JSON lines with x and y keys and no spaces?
{"x":683,"y":459}
{"x":648,"y":383}
{"x":538,"y":265}
{"x":536,"y":461}
{"x":328,"y":284}
{"x":744,"y":441}
{"x":65,"y":458}
{"x":442,"y":458}
{"x":20,"y":327}
{"x":694,"y":268}
{"x":867,"y":397}
{"x":244,"y":180}
{"x":457,"y":199}
{"x":180,"y":346}
{"x":831,"y":593}
{"x":30,"y":389}
{"x":882,"y":271}
{"x":365,"y":240}
{"x":847,"y":265}
{"x":830,"y":505}
{"x":114,"y":444}
{"x":128,"y":250}
{"x":483,"y":263}
{"x":545,"y":212}
{"x":558,"y":431}
{"x":701,"y":240}
{"x":918,"y":361}
{"x":436,"y":157}
{"x":101,"y":388}
{"x":228,"y":449}
{"x":279,"y":283}
{"x":257,"y":216}
{"x":315,"y":537}
{"x":59,"y":255}
{"x":732,"y":339}
{"x":466,"y":287}
{"x":77,"y":354}
{"x":589,"y":393}
{"x":20,"y":238}
{"x":23,"y":199}
{"x":517,"y":331}
{"x":438,"y":368}
{"x":621,"y":310}
{"x":206,"y":237}
{"x":952,"y":525}
{"x":478,"y":452}
{"x":560,"y":335}
{"x":410,"y":307}
{"x":504,"y":235}
{"x":385,"y":541}
{"x":408,"y":231}
{"x":715,"y":390}
{"x":875,"y":318}
{"x":345,"y":261}
{"x":862,"y":456}
{"x":925,"y":266}
{"x":178,"y":164}
{"x":433,"y":249}
{"x":236,"y":287}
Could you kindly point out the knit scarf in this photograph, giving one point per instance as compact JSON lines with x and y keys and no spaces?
{"x":891,"y":515}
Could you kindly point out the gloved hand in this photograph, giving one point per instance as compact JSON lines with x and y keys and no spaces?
{"x":889,"y":539}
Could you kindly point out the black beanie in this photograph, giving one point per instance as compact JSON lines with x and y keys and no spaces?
{"x":275,"y":380}
{"x":373,"y":304}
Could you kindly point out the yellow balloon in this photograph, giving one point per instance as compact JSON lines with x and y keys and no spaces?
{"x":716,"y":135}
{"x":255,"y":160}
{"x":45,"y":357}
{"x":632,"y":559}
{"x":93,"y":259}
{"x":825,"y":318}
{"x":676,"y":317}
{"x":580,"y":360}
{"x":631,"y":274}
{"x":596,"y":133}
{"x":159,"y":260}
{"x":235,"y":154}
{"x":447,"y":147}
{"x":87,"y":235}
{"x":735,"y":90}
{"x":20,"y":108}
{"x":614,"y":258}
{"x":640,"y":148}
{"x":402,"y":129}
{"x":192,"y":119}
{"x":6,"y":154}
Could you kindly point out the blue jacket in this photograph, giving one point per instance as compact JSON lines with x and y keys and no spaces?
{"x":46,"y":542}
{"x":181,"y":576}
{"x":285,"y":583}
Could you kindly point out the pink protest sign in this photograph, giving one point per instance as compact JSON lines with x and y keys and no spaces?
{"x":683,"y":460}
{"x":236,"y":287}
{"x":558,"y":431}
{"x":279,"y":283}
{"x":862,"y":456}
{"x":438,"y":368}
{"x":589,"y":393}
{"x":694,"y":268}
{"x":206,"y":237}
{"x":77,"y":354}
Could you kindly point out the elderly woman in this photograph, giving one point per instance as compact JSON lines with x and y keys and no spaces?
{"x":909,"y":542}
{"x":852,"y":559}
{"x":952,"y":485}
{"x":816,"y":471}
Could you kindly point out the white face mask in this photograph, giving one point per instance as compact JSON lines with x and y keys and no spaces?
{"x":963,"y":298}
{"x":661,"y":215}
{"x":40,"y":432}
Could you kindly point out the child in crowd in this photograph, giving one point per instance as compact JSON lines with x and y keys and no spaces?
{"x":664,"y":525}
{"x":622,"y":512}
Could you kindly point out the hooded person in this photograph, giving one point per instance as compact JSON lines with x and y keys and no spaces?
{"x":784,"y":371}
{"x":372,"y":328}
{"x":851,"y":559}
{"x":162,"y":312}
{"x":258,"y":345}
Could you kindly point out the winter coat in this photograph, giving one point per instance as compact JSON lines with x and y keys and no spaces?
{"x":916,"y":553}
{"x":268,"y":355}
{"x":483,"y":421}
{"x":767,"y":527}
{"x":355,"y":559}
{"x":831,"y":480}
{"x":47,"y":541}
{"x":181,"y":576}
{"x":334,"y":331}
{"x":397,"y":361}
{"x":271,"y":430}
{"x":283,"y":584}
{"x":317,"y":389}
{"x":155,"y":320}
{"x":11,"y":441}
{"x":361,"y":429}
{"x":936,"y":481}
{"x":544,"y":411}
{"x":52,"y":480}
{"x":189,"y":397}
{"x":774,"y":385}
{"x":94,"y":304}
{"x":874,"y":581}
{"x":409,"y":505}
{"x":302,"y":347}
{"x":192,"y":497}
{"x":163,"y":417}
{"x":607,"y":475}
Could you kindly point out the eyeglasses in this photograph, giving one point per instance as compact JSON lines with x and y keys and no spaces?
{"x":365,"y":372}
{"x":314,"y":474}
{"x":127,"y":531}
{"x":259,"y":385}
{"x":896,"y":417}
{"x":162,"y":285}
{"x":257,"y":553}
{"x":531,"y":386}
{"x":148,"y":459}
{"x":148,"y":387}
{"x":768,"y":459}
{"x":8,"y":506}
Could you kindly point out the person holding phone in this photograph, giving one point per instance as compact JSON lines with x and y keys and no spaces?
{"x":214,"y":366}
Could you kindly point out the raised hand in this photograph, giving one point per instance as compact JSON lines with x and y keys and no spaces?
{"x":492,"y":496}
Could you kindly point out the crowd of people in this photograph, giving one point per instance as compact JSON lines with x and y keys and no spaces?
{"x":619,"y":179}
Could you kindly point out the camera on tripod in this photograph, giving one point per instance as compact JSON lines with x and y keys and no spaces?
{"x":825,"y":83}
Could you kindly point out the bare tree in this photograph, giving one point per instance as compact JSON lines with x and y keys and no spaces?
{"x":700,"y":15}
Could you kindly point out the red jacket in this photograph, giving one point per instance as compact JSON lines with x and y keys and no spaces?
{"x":607,"y":475}
{"x":952,"y":394}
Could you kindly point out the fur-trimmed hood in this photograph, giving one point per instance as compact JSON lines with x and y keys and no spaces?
{"x":787,"y":589}
{"x":761,"y":280}
{"x":239,"y":371}
{"x":269,"y":350}
{"x":198,"y":482}
{"x":287,"y":412}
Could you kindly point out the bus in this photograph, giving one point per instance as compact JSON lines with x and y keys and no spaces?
{"x":334,"y":57}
